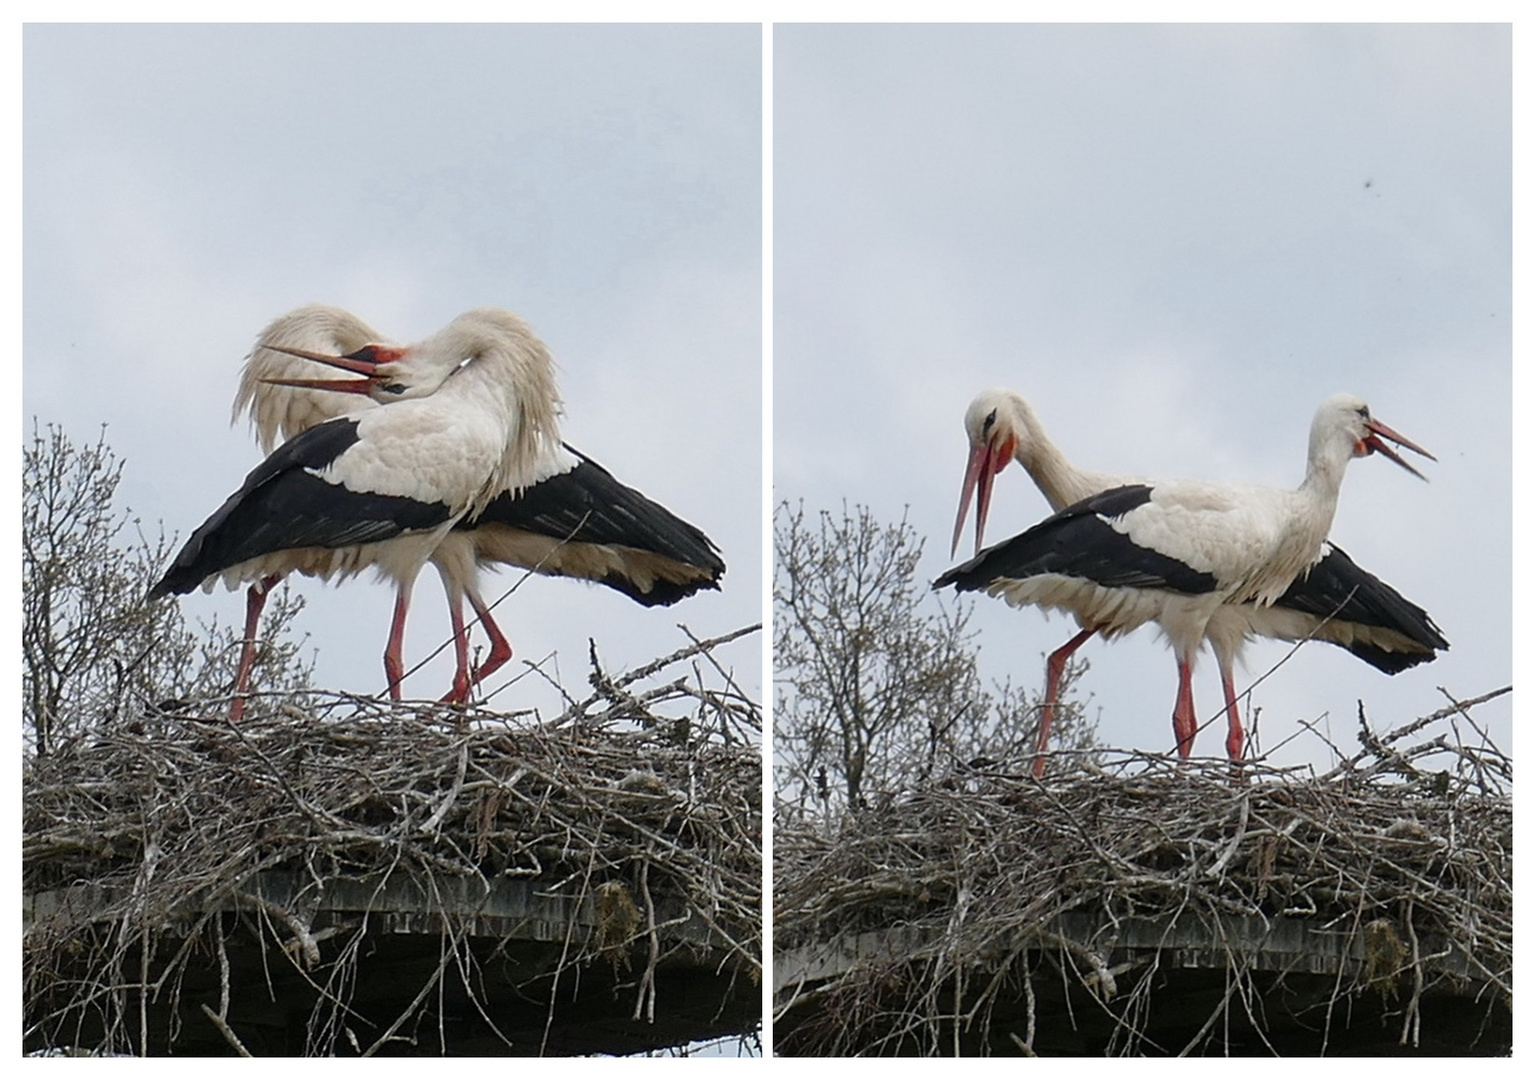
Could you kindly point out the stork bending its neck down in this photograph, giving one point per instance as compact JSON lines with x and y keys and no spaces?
{"x":1205,"y":561}
{"x":542,"y":505}
{"x":473,"y":409}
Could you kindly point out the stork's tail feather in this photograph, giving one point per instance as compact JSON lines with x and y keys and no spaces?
{"x":584,"y":523}
{"x":1339,"y":590}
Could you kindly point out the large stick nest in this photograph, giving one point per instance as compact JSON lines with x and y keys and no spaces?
{"x":939,"y":921}
{"x":154,"y":841}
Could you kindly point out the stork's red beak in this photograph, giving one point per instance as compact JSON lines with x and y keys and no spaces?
{"x":986,"y":460}
{"x":364,"y":362}
{"x":1372,"y":444}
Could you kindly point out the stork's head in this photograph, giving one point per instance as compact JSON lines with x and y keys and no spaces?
{"x":387,"y":373}
{"x":488,"y":354}
{"x":1345,"y":421}
{"x":996,"y":423}
{"x":487,"y":337}
{"x":279,"y":413}
{"x":399,"y":373}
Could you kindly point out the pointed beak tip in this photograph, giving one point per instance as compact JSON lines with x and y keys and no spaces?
{"x":344,"y":386}
{"x":368,"y":368}
{"x":1374,"y":444}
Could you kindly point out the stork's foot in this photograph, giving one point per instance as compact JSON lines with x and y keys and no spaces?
{"x":1235,"y":742}
{"x":500,"y":653}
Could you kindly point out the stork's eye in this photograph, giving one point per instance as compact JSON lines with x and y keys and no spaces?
{"x":991,"y":419}
{"x":367,"y":354}
{"x":393,"y":388}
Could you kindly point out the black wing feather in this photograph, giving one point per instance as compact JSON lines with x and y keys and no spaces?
{"x":1080,"y":541}
{"x":282,"y":505}
{"x":588,"y":505}
{"x":1338,"y":588}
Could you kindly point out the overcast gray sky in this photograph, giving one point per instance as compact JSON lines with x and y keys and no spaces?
{"x":1175,"y":241}
{"x":186,"y":184}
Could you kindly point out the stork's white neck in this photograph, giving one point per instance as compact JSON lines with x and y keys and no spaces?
{"x":1330,"y":448}
{"x":281,"y":412}
{"x":1312,"y":506}
{"x":509,"y":367}
{"x":1061,"y":482}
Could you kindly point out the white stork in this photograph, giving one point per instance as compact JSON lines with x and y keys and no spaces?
{"x":574,"y":520}
{"x":1335,"y":601}
{"x":274,"y":409}
{"x":571,"y":518}
{"x":1205,"y":561}
{"x":277,"y":407}
{"x":473,"y":415}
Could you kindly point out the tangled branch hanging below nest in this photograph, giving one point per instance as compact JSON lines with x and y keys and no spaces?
{"x":618,"y":847}
{"x":990,"y":913}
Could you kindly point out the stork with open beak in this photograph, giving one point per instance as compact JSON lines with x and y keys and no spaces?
{"x":1190,"y":556}
{"x":473,"y":413}
{"x":561,"y":515}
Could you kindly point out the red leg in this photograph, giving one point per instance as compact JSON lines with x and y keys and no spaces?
{"x":1054,"y":667}
{"x":255,"y":600}
{"x":1184,"y":724}
{"x":394,"y":666}
{"x":500,"y":648}
{"x":460,"y":692}
{"x":1234,"y":737}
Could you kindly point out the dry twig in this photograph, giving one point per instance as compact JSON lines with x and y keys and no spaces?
{"x":979,"y":885}
{"x":147,"y":842}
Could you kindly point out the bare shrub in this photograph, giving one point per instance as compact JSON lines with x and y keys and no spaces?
{"x":92,"y":645}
